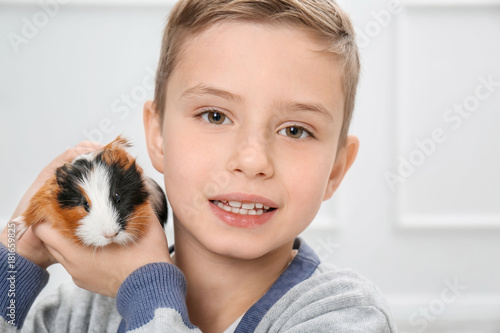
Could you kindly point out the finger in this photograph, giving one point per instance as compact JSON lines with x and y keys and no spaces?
{"x":52,"y":239}
{"x":72,"y":153}
{"x":31,"y":247}
{"x":90,"y":144}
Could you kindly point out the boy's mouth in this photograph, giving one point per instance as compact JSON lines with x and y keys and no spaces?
{"x":243,"y":208}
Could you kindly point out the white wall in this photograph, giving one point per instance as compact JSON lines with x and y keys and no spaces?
{"x":85,"y":72}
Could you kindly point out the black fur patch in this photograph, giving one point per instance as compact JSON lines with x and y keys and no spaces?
{"x":68,"y":178}
{"x":159,"y":202}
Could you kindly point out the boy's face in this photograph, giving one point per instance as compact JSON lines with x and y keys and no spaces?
{"x":253,"y":115}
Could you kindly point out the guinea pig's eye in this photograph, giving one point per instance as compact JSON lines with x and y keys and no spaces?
{"x":117,"y":198}
{"x":86,"y":206}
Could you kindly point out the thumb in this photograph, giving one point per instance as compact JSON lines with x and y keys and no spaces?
{"x":51,"y":239}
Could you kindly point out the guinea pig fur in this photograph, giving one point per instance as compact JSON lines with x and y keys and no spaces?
{"x":97,"y":199}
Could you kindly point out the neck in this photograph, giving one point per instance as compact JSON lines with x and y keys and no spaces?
{"x":220,"y":288}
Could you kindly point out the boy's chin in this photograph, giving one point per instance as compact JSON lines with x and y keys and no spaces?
{"x":244,"y":247}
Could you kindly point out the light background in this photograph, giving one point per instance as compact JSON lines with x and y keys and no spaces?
{"x":86,"y":69}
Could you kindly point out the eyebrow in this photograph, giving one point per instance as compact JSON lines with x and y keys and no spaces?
{"x":202,"y":89}
{"x":308,"y":107}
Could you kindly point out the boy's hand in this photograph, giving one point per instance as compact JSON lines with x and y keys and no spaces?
{"x":103,"y":270}
{"x":29,"y":245}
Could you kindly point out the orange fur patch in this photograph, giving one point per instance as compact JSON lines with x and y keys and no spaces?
{"x":115,"y":152}
{"x":138,"y":221}
{"x":43,"y":206}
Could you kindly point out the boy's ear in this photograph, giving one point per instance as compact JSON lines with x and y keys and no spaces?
{"x":345,"y":158}
{"x":154,"y":140}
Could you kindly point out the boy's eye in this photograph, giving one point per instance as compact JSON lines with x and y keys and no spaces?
{"x":295,"y":132}
{"x":215,"y":117}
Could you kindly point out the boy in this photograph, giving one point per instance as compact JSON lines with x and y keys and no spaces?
{"x":249,"y":128}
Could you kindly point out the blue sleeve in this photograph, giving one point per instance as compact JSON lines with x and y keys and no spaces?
{"x":20,"y":283}
{"x":153,"y":298}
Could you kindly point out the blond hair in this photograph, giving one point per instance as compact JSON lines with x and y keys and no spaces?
{"x":323,"y":18}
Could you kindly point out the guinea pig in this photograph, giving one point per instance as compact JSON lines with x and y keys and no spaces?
{"x":99,"y":198}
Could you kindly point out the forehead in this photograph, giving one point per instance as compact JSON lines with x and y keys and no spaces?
{"x":275,"y":61}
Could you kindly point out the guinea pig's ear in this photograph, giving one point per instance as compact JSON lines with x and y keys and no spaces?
{"x":120,"y":143}
{"x":62,"y":174}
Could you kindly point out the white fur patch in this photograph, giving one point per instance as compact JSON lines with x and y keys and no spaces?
{"x":103,"y":218}
{"x":89,"y":157}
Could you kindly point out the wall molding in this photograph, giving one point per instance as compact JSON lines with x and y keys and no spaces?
{"x":402,"y":74}
{"x":479,"y":221}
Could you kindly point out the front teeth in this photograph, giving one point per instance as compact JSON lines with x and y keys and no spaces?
{"x":235,"y":204}
{"x":242,"y":208}
{"x":249,"y":205}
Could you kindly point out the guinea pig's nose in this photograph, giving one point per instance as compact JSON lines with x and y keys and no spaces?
{"x":110,"y":234}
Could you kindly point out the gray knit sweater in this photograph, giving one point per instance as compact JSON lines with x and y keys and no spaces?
{"x":308,"y":297}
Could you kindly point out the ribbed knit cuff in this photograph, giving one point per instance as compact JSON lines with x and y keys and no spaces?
{"x":150,"y":287}
{"x":20,"y":283}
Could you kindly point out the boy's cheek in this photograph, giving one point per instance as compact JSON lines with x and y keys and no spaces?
{"x":186,"y":159}
{"x":307,"y":183}
{"x":182,"y":163}
{"x":307,"y":198}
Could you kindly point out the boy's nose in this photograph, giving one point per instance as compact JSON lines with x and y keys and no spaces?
{"x":252,"y":156}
